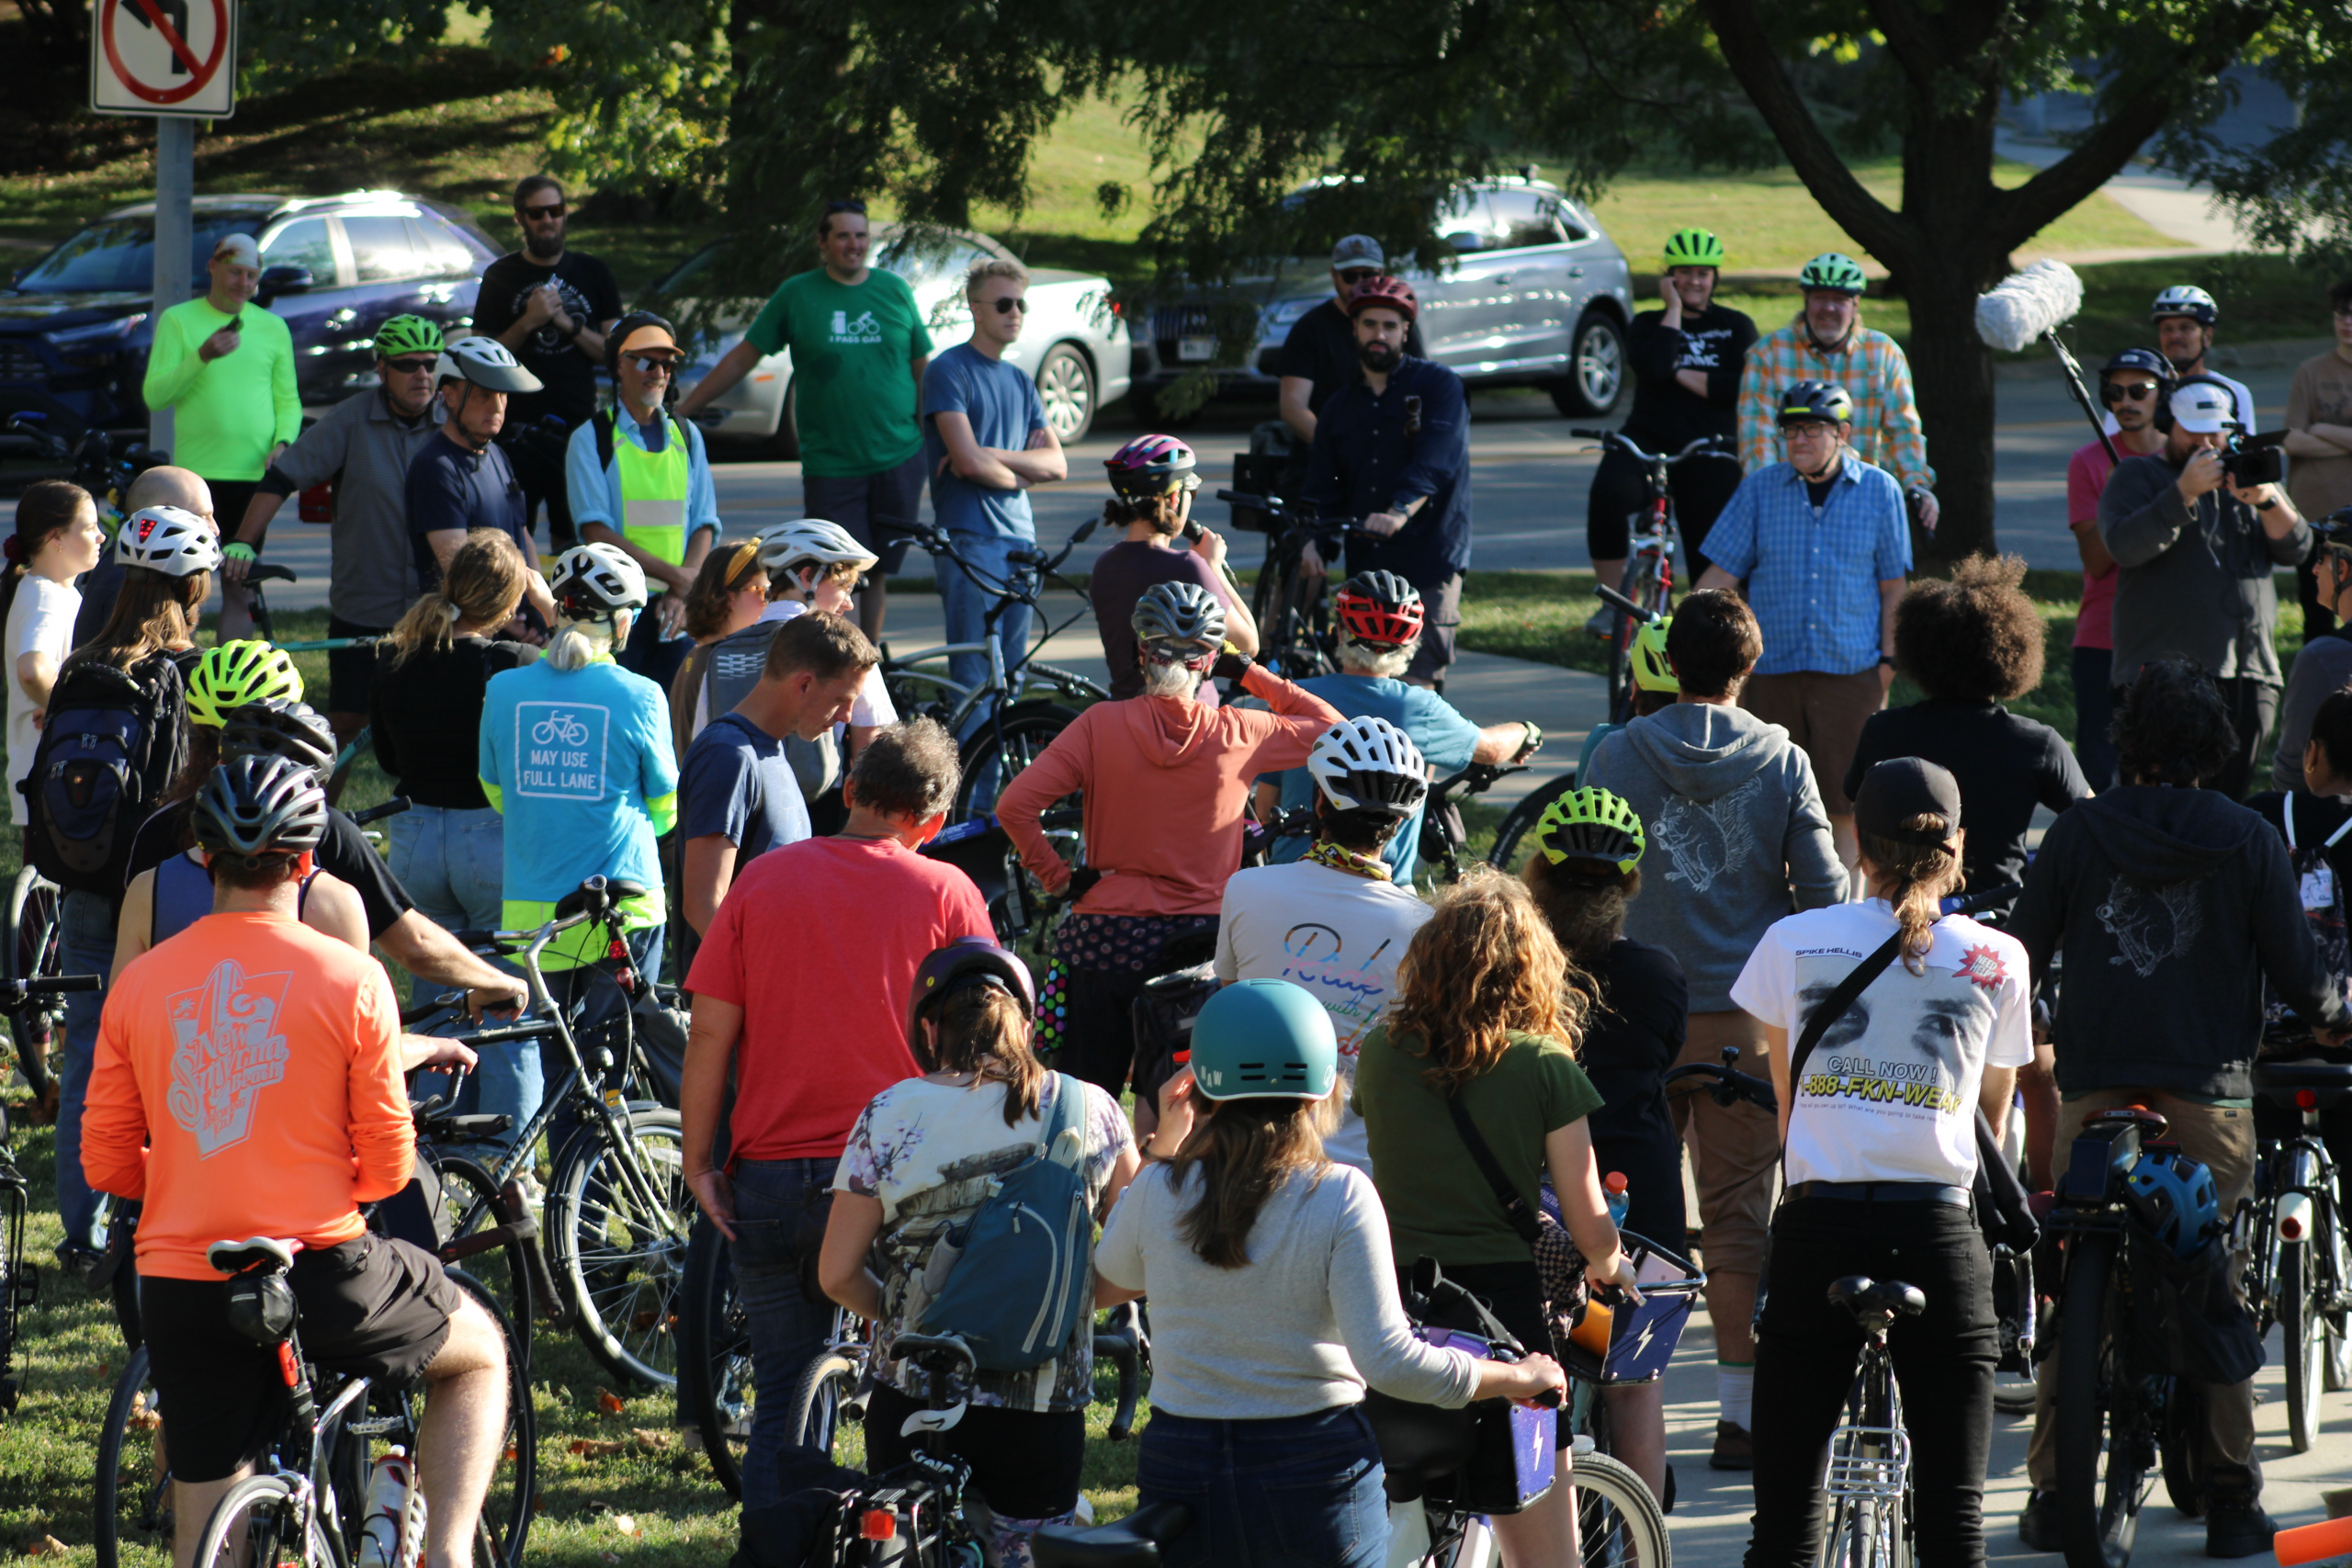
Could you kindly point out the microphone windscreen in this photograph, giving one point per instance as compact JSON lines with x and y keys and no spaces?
{"x":2029,"y":303}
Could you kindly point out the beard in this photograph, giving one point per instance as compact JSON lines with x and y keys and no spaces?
{"x":547,"y":247}
{"x":1379,"y":357}
{"x":2185,"y":366}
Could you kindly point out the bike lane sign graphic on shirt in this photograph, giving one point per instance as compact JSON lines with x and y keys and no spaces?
{"x":164,"y":58}
{"x":229,"y":1048}
{"x":559,"y":750}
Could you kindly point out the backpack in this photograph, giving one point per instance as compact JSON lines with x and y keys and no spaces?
{"x":1018,"y":1275}
{"x":113,"y":742}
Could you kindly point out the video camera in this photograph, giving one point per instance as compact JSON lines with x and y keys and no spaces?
{"x":2251,"y":460}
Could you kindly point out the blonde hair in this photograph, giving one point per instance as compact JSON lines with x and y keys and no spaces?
{"x":485,"y":580}
{"x":993,"y":267}
{"x":1485,"y":966}
{"x":1916,"y":877}
{"x":577,"y":644}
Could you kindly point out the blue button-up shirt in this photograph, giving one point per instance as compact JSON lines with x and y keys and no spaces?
{"x":1812,"y":573}
{"x":1364,"y":460}
{"x":595,"y":487}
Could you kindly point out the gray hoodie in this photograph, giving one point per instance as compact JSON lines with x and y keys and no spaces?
{"x":1737,"y":836}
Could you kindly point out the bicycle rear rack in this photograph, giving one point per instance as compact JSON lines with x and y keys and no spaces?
{"x":1855,"y":1471}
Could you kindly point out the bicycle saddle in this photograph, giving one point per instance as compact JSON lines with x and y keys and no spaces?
{"x":272,"y":1257}
{"x":2153,"y":1123}
{"x":925,"y":1350}
{"x":1861,"y":1295}
{"x":1131,"y":1542}
{"x":269,"y":571}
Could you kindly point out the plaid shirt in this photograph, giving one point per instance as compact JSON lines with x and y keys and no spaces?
{"x":1874,"y":374}
{"x":1813,"y":573}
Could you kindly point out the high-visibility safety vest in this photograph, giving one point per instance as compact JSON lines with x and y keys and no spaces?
{"x":653,"y":489}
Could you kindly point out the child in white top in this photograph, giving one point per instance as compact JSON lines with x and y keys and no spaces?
{"x":57,"y":539}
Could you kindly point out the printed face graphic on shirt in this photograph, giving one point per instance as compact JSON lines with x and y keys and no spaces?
{"x":1343,"y":979}
{"x":2151,"y":924}
{"x":1900,"y":1045}
{"x":559,"y":750}
{"x":1705,"y":840}
{"x":230,"y":1049}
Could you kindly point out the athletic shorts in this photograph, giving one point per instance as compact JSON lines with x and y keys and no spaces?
{"x":861,"y":502}
{"x":371,"y":1307}
{"x":351,"y":671}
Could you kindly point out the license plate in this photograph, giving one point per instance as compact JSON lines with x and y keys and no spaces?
{"x":1190,"y":348}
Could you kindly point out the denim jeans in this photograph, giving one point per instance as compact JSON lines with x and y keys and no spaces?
{"x":1299,"y":1492}
{"x":602,"y":1001}
{"x":968,"y":604}
{"x":649,"y":653}
{"x":780,"y":1210}
{"x":85,"y":941}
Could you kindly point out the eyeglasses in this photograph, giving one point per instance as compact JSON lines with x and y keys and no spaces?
{"x":2131,"y":391}
{"x":545,"y":210}
{"x":1810,"y":430}
{"x":647,"y":364}
{"x":410,"y":364}
{"x":1356,"y":274}
{"x":1006,"y":307}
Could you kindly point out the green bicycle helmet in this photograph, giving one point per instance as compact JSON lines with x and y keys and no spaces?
{"x":1592,"y":825}
{"x":1832,"y":270}
{"x":1264,"y":1040}
{"x":408,"y":334}
{"x":1652,"y":670}
{"x":1693,"y":247}
{"x":236,"y":674}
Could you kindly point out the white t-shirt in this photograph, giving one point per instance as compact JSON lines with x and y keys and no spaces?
{"x":872,"y":709}
{"x":41,"y":621}
{"x":1890,"y":1092}
{"x":1339,"y":936}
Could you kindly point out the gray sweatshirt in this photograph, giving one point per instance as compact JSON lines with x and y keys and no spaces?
{"x":2324,"y":666}
{"x":2195,"y":580}
{"x":1311,"y":1320}
{"x":1737,"y":836}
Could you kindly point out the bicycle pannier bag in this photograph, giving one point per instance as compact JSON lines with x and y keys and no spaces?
{"x":2187,"y":1315}
{"x":113,"y":742}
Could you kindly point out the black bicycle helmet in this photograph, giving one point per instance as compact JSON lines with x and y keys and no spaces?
{"x":1815,"y":400}
{"x":254,"y":810}
{"x":1180,"y":612}
{"x":966,"y":961}
{"x":280,"y":729}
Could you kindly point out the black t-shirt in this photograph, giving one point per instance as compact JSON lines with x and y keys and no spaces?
{"x":1666,"y":417}
{"x":1632,"y":1036}
{"x":344,"y":855}
{"x":425,"y":715}
{"x":1120,"y":575}
{"x":2005,"y":765}
{"x":1322,"y":348}
{"x":590,"y":296}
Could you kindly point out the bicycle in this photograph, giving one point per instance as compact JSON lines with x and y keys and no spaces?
{"x":33,"y":952}
{"x":1868,"y":1480}
{"x":259,"y":572}
{"x":2301,"y":1278}
{"x":1649,"y":567}
{"x":1638,"y":1344}
{"x":103,"y":465}
{"x":20,"y":1281}
{"x":1294,"y":635}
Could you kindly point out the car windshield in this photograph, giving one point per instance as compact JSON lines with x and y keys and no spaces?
{"x":118,"y":256}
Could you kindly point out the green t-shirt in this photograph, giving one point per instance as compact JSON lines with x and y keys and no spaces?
{"x":853,"y":361}
{"x":227,"y":412}
{"x":1438,"y":1202}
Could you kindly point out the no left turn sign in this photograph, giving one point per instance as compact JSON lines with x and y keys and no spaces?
{"x":164,"y":57}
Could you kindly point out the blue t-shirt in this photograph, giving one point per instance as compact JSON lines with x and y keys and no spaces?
{"x":737,"y":783}
{"x":451,"y":487}
{"x":579,"y":763}
{"x":1446,"y":740}
{"x":1004,"y":406}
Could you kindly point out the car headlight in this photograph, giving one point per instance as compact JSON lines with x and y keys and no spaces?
{"x":94,"y":333}
{"x":1289,"y":311}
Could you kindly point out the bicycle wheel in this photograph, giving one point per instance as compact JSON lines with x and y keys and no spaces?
{"x":259,"y":1524}
{"x":1027,"y":728}
{"x":2104,"y":1449}
{"x":2182,"y":1448}
{"x":2306,"y":1348}
{"x":471,"y":1203}
{"x":131,"y":1505}
{"x":620,"y":1261}
{"x":825,"y":1411}
{"x":1511,"y":843}
{"x":31,"y":951}
{"x":716,"y":1391}
{"x":1617,"y":1519}
{"x":506,"y":1508}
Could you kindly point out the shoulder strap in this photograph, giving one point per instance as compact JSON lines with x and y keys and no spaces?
{"x":1522,"y":1219}
{"x":1834,"y":1006}
{"x":604,"y":421}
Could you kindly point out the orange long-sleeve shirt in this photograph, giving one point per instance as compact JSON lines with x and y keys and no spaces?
{"x":1165,"y":781}
{"x":247,"y":1082}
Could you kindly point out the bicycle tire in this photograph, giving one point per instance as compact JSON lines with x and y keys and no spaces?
{"x":272,"y":1496}
{"x":2013,"y":1398}
{"x":504,"y":1523}
{"x":1619,"y":1522}
{"x":821,"y":1395}
{"x":2305,"y":1345}
{"x":2182,"y":1450}
{"x":2100,"y":1461}
{"x":1508,"y":853}
{"x":471,"y":1203}
{"x":621,"y":1268}
{"x":31,"y":950}
{"x":1027,"y":728}
{"x":132,"y":1499}
{"x":716,"y":1388}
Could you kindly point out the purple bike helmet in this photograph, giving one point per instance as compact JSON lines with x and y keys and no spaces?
{"x":1152,"y":465}
{"x":966,"y":961}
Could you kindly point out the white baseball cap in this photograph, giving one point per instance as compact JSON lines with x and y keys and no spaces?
{"x":237,"y":248}
{"x":2204,"y":408}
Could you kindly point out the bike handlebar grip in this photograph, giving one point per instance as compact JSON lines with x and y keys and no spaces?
{"x":1083,"y":880}
{"x":57,"y":985}
{"x":1582,"y":434}
{"x":2312,"y":1543}
{"x":1610,"y":596}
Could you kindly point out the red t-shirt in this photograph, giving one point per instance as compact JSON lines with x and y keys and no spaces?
{"x":817,"y":943}
{"x":2086,"y":477}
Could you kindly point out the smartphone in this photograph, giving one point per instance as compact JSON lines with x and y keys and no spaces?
{"x":234,"y":324}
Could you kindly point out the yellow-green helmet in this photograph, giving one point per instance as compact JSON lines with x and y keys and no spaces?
{"x":1652,"y":670}
{"x":1592,"y":825}
{"x":1693,"y":247}
{"x":407,"y":335}
{"x":1832,"y":269}
{"x":236,"y":674}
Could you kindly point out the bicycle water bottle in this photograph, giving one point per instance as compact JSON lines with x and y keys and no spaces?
{"x":1614,"y":1186}
{"x":394,"y":1536}
{"x":1592,"y":1330}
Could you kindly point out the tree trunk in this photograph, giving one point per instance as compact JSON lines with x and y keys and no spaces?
{"x":1951,"y":375}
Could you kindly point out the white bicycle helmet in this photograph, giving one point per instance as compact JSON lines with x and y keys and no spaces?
{"x":785,"y":547}
{"x":1369,"y":765}
{"x":2185,"y":299}
{"x":485,"y":362}
{"x":169,"y":540}
{"x":591,"y":582}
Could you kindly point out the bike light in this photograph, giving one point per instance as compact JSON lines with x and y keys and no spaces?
{"x":287,"y":1366}
{"x":2294,"y":1217}
{"x":2307,"y":1100}
{"x":879,"y":1524}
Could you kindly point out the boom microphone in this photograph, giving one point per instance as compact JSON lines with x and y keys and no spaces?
{"x":2028,"y":304}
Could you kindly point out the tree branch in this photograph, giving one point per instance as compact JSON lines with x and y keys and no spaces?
{"x":1912,"y":40}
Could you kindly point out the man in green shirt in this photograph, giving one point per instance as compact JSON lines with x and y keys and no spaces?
{"x":225,"y":369}
{"x":858,"y":352}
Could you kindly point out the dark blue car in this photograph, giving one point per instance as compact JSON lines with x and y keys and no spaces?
{"x":76,"y":326}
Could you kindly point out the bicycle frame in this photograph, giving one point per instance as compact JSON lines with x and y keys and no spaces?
{"x":1870,"y":1464}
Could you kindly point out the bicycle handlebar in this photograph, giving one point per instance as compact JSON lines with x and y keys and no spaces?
{"x":391,"y":807}
{"x":1705,"y":446}
{"x":1276,"y":506}
{"x":16,"y":993}
{"x":1612,"y":597}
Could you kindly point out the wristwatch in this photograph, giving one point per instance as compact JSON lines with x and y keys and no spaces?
{"x":2269,"y":505}
{"x":1886,"y":658}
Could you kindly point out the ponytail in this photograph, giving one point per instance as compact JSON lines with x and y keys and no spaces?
{"x":983,"y":1031}
{"x":1915,"y":878}
{"x":485,"y":583}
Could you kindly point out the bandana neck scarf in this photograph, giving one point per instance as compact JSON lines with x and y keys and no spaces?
{"x":1340,"y":858}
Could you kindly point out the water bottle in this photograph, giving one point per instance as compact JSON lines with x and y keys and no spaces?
{"x":394,"y":1536}
{"x":1614,"y":1185}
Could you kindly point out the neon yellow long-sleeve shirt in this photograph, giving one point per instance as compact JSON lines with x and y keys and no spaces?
{"x":227,"y":412}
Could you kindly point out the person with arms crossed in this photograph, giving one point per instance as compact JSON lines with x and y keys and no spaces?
{"x":56,"y":540}
{"x":810,"y":1015}
{"x":1821,"y":547}
{"x":1318,"y":357}
{"x":859,"y":352}
{"x":2131,"y":385}
{"x":2319,"y":444}
{"x":460,"y":480}
{"x":1153,"y":480}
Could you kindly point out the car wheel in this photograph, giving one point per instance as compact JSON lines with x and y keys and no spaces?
{"x":1066,"y":386}
{"x":784,"y":445}
{"x":1596,"y":378}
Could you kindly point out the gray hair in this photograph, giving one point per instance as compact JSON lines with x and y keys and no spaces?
{"x":1356,"y":659}
{"x":1177,"y":680}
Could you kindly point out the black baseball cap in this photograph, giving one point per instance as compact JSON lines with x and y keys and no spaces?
{"x":1900,"y":788}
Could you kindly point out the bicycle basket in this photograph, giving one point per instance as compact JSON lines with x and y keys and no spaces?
{"x":1493,"y":1457}
{"x":1641,"y":1339}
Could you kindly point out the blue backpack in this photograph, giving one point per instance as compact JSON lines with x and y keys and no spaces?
{"x":113,"y":742}
{"x":1019,"y":1273}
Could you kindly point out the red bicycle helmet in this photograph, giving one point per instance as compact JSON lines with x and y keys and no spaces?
{"x":1392,"y":293}
{"x":1380,"y":609}
{"x":1152,"y":465}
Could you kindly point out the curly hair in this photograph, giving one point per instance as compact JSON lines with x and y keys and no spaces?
{"x":1975,"y":639}
{"x":1484,"y":965}
{"x":2172,"y":726}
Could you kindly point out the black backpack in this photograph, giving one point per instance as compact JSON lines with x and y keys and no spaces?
{"x":112,"y":744}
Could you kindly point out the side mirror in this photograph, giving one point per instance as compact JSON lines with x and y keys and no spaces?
{"x":277,"y":280}
{"x":1464,"y":241}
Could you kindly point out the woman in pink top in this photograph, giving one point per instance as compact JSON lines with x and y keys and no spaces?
{"x":1166,"y":781}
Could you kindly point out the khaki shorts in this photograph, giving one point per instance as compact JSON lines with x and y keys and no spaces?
{"x":1734,"y":1148}
{"x":1824,"y":714}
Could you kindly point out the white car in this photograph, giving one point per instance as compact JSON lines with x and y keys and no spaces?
{"x":1074,"y":344}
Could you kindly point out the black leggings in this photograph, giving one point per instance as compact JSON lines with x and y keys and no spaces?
{"x":1025,"y":1462}
{"x":1807,"y":1349}
{"x":1702,"y":489}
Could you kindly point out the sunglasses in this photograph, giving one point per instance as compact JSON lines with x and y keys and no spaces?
{"x":1356,"y":274}
{"x":1006,"y":307}
{"x":545,"y":210}
{"x":410,"y":364}
{"x":647,"y":364}
{"x":2112,"y":392}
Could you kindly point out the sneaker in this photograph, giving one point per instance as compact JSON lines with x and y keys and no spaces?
{"x":2236,"y":1526}
{"x":77,"y":1263}
{"x":2038,"y":1525}
{"x":1734,"y":1450}
{"x":1603,"y":623}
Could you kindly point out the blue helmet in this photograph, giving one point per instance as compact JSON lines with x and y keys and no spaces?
{"x":2175,"y":1197}
{"x":1264,"y":1040}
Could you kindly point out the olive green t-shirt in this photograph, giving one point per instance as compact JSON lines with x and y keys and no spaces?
{"x":852,"y":368}
{"x":1438,"y":1202}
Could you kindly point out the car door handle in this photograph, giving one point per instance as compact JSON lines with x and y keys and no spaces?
{"x":1575,"y":272}
{"x":1502,"y":279}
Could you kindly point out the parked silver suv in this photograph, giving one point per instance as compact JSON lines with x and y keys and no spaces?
{"x":1537,"y":296}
